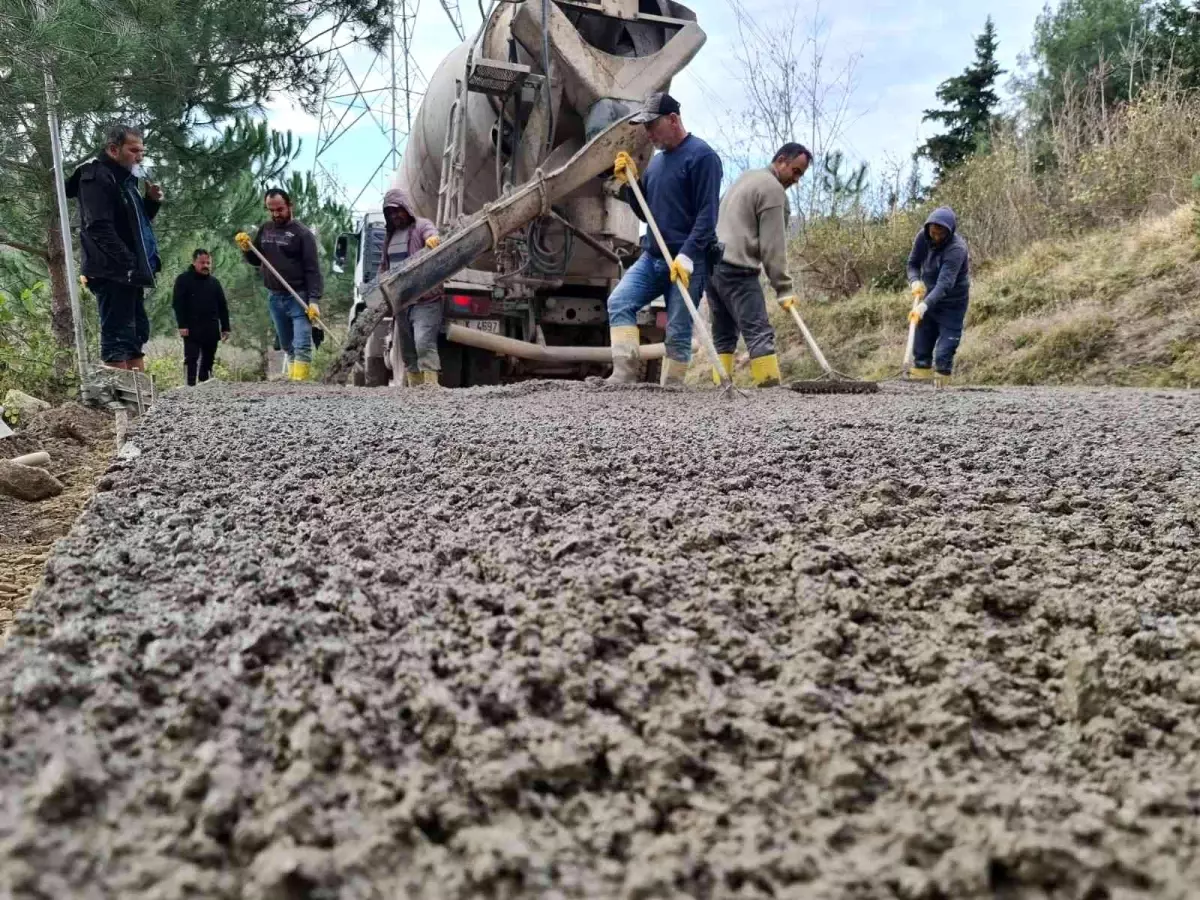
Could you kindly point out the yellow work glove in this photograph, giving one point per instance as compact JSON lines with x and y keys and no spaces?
{"x":681,"y":270}
{"x":918,"y":290}
{"x":918,"y":313}
{"x":313,"y":312}
{"x":243,"y":241}
{"x":788,"y":302}
{"x":624,"y":168}
{"x":433,"y":242}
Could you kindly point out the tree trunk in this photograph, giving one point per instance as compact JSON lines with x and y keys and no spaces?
{"x":61,"y":322}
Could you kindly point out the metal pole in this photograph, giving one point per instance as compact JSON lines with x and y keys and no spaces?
{"x":64,"y":215}
{"x":395,"y":98}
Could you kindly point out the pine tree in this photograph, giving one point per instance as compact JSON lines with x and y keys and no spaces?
{"x":970,"y":99}
{"x":179,"y":71}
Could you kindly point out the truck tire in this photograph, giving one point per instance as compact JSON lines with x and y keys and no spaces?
{"x":358,"y":377}
{"x":377,"y":373}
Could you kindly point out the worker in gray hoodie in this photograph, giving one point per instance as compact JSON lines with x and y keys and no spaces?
{"x":418,"y":324}
{"x":939,"y":274}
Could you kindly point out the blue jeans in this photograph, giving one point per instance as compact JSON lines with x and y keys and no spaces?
{"x":124,"y":327}
{"x":646,"y":279}
{"x":937,"y":338}
{"x":292,"y":326}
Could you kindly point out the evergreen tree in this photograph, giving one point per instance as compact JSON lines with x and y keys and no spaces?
{"x":1174,"y":44}
{"x":180,"y":72}
{"x":970,"y":99}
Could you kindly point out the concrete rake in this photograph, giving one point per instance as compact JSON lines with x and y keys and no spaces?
{"x":831,"y":381}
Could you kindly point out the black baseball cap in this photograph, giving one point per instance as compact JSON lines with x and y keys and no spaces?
{"x":655,"y":107}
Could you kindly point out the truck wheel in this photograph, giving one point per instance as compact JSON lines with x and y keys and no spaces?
{"x":377,"y":373}
{"x":652,"y":371}
{"x":358,"y":377}
{"x":481,"y":368}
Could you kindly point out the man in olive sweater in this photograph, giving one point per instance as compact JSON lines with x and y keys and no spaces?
{"x":752,"y":225}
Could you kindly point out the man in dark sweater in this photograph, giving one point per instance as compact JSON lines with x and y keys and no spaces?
{"x":119,"y":250}
{"x":202,"y":316}
{"x":291,"y":248}
{"x":682,"y":187}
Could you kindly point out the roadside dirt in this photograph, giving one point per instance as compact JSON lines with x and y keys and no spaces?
{"x":80,"y":442}
{"x":568,"y":641}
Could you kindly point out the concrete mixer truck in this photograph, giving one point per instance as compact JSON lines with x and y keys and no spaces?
{"x":510,"y":154}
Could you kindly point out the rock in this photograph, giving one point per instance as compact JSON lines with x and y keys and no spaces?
{"x":27,"y":482}
{"x":20,"y":408}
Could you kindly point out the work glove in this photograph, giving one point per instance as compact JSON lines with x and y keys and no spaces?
{"x":433,"y":242}
{"x":918,"y":290}
{"x":681,"y":270}
{"x":918,"y":313}
{"x":624,"y":168}
{"x":788,"y":302}
{"x":313,"y":312}
{"x":243,"y":241}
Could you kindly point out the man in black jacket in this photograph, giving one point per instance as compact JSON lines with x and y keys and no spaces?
{"x":120,"y":253}
{"x":202,"y":316}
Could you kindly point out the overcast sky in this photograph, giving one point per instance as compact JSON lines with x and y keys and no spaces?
{"x":904,"y":50}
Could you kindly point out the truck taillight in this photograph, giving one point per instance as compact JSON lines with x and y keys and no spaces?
{"x":471,"y":305}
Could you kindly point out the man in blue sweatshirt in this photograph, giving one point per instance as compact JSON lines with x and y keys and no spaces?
{"x":939,"y":273}
{"x":682,"y":187}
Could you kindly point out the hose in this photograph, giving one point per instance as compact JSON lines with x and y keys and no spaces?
{"x":546,"y":261}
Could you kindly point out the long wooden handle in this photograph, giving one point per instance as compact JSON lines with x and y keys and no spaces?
{"x":706,"y":340}
{"x":291,"y":290}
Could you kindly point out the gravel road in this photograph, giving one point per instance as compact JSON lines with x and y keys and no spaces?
{"x":573,"y":641}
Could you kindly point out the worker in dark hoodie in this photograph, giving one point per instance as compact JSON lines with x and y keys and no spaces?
{"x":118,"y":248}
{"x":939,"y":273}
{"x":202,"y":316}
{"x":417,"y":324}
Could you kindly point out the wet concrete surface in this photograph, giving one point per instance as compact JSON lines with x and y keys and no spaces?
{"x":570,"y":641}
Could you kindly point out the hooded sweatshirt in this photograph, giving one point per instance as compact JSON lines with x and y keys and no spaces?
{"x":413,"y":237}
{"x":400,"y":245}
{"x":944,"y":268}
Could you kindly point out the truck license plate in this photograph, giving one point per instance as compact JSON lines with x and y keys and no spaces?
{"x":491,"y":326}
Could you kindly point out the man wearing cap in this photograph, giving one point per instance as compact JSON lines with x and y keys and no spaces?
{"x":682,"y":187}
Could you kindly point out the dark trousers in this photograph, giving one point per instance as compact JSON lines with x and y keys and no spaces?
{"x":199,"y":353}
{"x":937,"y":337}
{"x":124,"y":326}
{"x":735,"y":296}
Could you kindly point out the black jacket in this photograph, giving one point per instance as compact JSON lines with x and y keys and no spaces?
{"x":110,"y":235}
{"x":199,"y":302}
{"x":292,"y":250}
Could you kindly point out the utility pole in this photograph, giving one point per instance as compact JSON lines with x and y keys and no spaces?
{"x":64,"y":212}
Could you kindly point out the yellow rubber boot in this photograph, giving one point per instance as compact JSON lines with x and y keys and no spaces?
{"x":672,"y":372}
{"x":431,"y":379}
{"x":764,"y":370}
{"x":941,"y":381}
{"x":727,"y":364}
{"x":299,"y":371}
{"x":624,"y":340}
{"x":916,"y":373}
